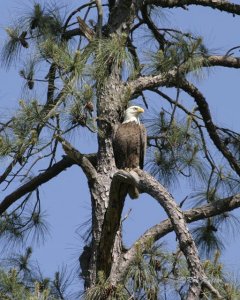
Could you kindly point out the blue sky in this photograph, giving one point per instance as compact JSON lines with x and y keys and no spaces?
{"x":66,"y":198}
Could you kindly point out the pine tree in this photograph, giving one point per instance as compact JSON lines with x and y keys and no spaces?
{"x":93,"y":63}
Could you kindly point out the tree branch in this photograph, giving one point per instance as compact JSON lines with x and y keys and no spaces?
{"x":158,"y":36}
{"x":148,"y":184}
{"x":112,"y":219}
{"x":211,"y":128}
{"x":148,"y":82}
{"x":31,"y":185}
{"x":79,"y":158}
{"x":160,"y":230}
{"x":221,"y":5}
{"x":89,"y":4}
{"x":8,"y":169}
{"x":100,"y":18}
{"x":85,"y":29}
{"x":221,"y":61}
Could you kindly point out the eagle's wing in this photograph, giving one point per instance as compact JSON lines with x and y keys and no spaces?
{"x":143,"y":145}
{"x":120,"y":147}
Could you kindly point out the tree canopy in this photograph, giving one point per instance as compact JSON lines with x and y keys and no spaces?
{"x":81,"y":68}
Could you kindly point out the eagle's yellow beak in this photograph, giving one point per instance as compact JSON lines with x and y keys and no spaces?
{"x":140,"y":110}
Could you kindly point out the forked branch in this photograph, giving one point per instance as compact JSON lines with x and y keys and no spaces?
{"x":112,"y":219}
{"x":151,"y":186}
{"x":162,"y":229}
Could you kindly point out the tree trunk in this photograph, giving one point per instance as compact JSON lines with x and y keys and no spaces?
{"x":111,"y":104}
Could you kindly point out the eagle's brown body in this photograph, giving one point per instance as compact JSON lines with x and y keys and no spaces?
{"x":129,"y":145}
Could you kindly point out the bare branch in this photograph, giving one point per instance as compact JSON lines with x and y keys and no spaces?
{"x":35,"y":182}
{"x":8,"y":170}
{"x":149,"y":82}
{"x":158,"y":36}
{"x":85,"y":29}
{"x":100,"y":18}
{"x":79,"y":158}
{"x":221,"y":5}
{"x":51,"y":79}
{"x":89,"y":4}
{"x":179,"y":105}
{"x":222,"y":61}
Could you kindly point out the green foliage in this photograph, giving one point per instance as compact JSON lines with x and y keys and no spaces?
{"x":24,"y":224}
{"x":96,"y":59}
{"x":44,"y":21}
{"x":28,"y":72}
{"x":11,"y":287}
{"x":110,"y":54}
{"x":12,"y":47}
{"x":206,"y":237}
{"x":60,"y":284}
{"x":79,"y":108}
{"x":57,"y":53}
{"x":156,"y":273}
{"x":183,"y":50}
{"x":142,"y":274}
{"x":207,"y":233}
{"x":8,"y":229}
{"x":26,"y":121}
{"x":22,"y":129}
{"x":21,"y":279}
{"x":176,"y":149}
{"x":220,"y":280}
{"x":38,"y":25}
{"x":170,"y":272}
{"x":5,"y":145}
{"x":105,"y":291}
{"x":220,"y":184}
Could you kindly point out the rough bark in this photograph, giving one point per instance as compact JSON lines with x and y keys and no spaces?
{"x":111,"y":226}
{"x":112,"y":101}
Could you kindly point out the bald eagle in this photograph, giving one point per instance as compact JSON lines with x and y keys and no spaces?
{"x":129,"y":142}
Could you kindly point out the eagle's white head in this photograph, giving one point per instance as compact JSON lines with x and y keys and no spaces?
{"x":132,"y":114}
